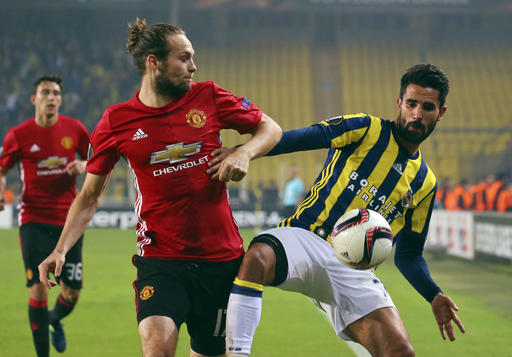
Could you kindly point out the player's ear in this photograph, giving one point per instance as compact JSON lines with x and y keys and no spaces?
{"x":151,"y":62}
{"x":399,"y":103}
{"x":33,"y":99}
{"x":441,"y":112}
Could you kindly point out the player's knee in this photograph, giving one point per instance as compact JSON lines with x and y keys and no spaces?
{"x":70,"y":294}
{"x":402,"y":348}
{"x":258,"y":264}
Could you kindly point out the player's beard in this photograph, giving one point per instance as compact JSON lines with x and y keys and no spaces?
{"x":415,"y":137}
{"x":165,"y":87}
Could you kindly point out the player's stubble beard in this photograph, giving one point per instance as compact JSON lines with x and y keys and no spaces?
{"x":166,"y":88}
{"x":411,"y":136}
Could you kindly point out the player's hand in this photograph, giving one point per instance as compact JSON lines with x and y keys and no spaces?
{"x":216,"y":157}
{"x":444,"y":310}
{"x":76,"y":167}
{"x":228,"y":164}
{"x":2,"y":201}
{"x":53,"y":263}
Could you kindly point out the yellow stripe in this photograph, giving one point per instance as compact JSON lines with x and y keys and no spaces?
{"x":310,"y":201}
{"x":377,"y":176}
{"x":351,"y":165}
{"x":248,"y":284}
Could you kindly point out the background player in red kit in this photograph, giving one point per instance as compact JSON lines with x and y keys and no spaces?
{"x":44,"y":148}
{"x":188,"y":245}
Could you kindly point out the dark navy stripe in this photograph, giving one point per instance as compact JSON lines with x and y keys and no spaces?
{"x":242,"y":290}
{"x":364,"y":170}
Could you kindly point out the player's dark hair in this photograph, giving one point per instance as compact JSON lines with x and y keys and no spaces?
{"x":144,"y":41}
{"x":427,"y":76}
{"x":47,"y":78}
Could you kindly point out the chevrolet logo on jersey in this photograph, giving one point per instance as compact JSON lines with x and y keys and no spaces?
{"x":175,"y":153}
{"x":52,"y":162}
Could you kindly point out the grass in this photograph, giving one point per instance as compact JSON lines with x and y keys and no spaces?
{"x":104,"y":322}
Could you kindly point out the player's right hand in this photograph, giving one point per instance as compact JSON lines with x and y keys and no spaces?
{"x":53,"y":263}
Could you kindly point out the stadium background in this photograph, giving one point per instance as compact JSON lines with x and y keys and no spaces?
{"x":301,"y":61}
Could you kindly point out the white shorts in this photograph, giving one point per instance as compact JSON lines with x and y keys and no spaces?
{"x":342,"y":293}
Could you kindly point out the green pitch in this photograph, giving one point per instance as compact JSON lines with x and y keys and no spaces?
{"x":104,"y":322}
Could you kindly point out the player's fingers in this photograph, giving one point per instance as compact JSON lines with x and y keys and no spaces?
{"x":450,"y":331}
{"x":58,"y":269}
{"x":441,"y":329}
{"x":216,"y":152}
{"x":459,"y":324}
{"x":43,"y":274}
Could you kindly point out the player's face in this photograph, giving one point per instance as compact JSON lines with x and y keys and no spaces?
{"x":418,"y":113}
{"x":174,"y":77}
{"x":47,"y":99}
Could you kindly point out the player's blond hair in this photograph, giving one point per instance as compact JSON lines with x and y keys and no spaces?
{"x":144,"y":41}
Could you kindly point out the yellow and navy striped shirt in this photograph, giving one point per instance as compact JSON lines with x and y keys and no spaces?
{"x":366,"y":168}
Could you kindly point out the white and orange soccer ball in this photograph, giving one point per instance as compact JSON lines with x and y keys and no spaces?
{"x":362,"y":239}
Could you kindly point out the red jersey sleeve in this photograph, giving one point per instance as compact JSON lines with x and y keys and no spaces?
{"x":104,"y":153}
{"x":83,"y":143}
{"x":10,"y":152}
{"x":236,"y":112}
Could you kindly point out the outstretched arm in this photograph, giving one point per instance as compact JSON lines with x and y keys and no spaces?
{"x":235,"y":165}
{"x":80,"y":213}
{"x":409,"y":260}
{"x":309,"y":138}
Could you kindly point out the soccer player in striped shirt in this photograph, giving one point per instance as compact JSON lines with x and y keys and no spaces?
{"x":372,"y":163}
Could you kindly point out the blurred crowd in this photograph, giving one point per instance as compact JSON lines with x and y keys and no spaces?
{"x":96,"y":73}
{"x":493,"y":193}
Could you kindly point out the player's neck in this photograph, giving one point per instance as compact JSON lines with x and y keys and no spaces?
{"x":149,"y":97}
{"x":46,"y":121}
{"x":411,"y":148}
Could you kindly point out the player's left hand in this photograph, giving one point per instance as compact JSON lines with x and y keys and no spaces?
{"x":228,"y":164}
{"x":76,"y":167}
{"x":444,"y":310}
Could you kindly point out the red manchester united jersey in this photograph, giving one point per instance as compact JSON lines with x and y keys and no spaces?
{"x":42,"y":155}
{"x":182,"y":213}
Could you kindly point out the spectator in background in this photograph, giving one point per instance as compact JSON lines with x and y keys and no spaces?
{"x":293,"y":192}
{"x":478,"y":191}
{"x":491,"y":193}
{"x":504,"y":198}
{"x":460,"y":198}
{"x":443,"y":192}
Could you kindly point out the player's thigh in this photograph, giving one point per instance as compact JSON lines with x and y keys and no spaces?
{"x":160,"y":290}
{"x":71,"y":275}
{"x":342,"y":293}
{"x":211,"y":283}
{"x":37,"y":241}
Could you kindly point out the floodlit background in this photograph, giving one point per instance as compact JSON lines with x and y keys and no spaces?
{"x":301,"y":61}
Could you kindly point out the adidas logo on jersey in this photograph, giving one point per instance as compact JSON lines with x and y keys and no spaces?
{"x":35,"y":148}
{"x":398,"y":168}
{"x":139,"y":135}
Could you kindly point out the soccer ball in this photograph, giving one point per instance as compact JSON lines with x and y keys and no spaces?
{"x":362,"y":239}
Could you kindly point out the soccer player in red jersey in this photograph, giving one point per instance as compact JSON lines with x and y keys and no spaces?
{"x":188,"y":246}
{"x":45,"y":147}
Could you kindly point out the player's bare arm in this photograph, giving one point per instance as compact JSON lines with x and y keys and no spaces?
{"x":3,"y":173}
{"x":76,"y":167}
{"x":233,"y":165}
{"x":444,"y":309}
{"x":80,"y":214}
